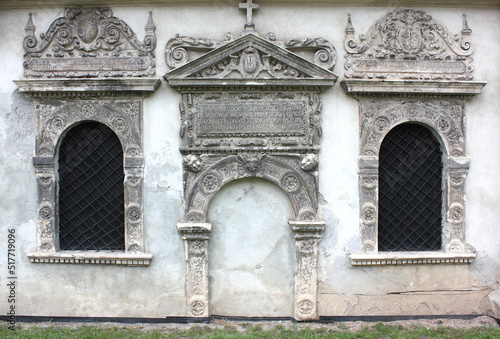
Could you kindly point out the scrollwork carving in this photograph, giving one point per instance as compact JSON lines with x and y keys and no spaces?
{"x":89,"y":42}
{"x":182,"y":49}
{"x":408,"y":44}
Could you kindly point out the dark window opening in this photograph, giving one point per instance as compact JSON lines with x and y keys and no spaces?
{"x":91,"y":203}
{"x":410,"y":190}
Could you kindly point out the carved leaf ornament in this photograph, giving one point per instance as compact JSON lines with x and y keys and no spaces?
{"x":89,"y":42}
{"x":408,"y":44}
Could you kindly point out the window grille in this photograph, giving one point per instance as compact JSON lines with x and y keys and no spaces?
{"x":410,"y":190}
{"x":91,"y":202}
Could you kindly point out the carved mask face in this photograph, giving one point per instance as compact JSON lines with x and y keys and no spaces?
{"x":252,"y":164}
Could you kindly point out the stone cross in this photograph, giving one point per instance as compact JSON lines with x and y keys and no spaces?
{"x":249,"y":6}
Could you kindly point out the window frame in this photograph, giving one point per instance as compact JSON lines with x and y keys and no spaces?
{"x":56,"y":116}
{"x":445,"y":118}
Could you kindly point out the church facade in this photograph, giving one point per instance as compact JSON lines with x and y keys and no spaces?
{"x":265,"y":159}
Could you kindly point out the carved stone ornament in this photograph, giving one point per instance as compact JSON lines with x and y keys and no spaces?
{"x":409,"y":46}
{"x":410,"y":68}
{"x":89,"y":42}
{"x":88,"y":66}
{"x":446,"y":118}
{"x":250,"y":57}
{"x":250,"y":108}
{"x":54,"y":117}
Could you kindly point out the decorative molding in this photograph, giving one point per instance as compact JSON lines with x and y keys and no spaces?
{"x":181,"y":50}
{"x":247,"y":62}
{"x":446,"y":119}
{"x":409,"y":258}
{"x":237,"y":121}
{"x":250,"y":108}
{"x":88,"y":87}
{"x":54,"y":117}
{"x":408,"y":44}
{"x":300,"y":186}
{"x":92,"y":258}
{"x":89,"y":42}
{"x":400,"y":87}
{"x":88,"y":66}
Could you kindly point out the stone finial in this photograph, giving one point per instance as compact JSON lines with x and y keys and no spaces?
{"x":249,"y":7}
{"x":150,"y":26}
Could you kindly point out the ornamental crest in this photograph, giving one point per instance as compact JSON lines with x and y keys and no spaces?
{"x":408,"y":44}
{"x":88,"y":42}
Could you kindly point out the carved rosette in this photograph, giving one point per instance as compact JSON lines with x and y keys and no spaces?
{"x":54,"y":118}
{"x":196,"y":237}
{"x":89,"y":42}
{"x":47,"y":234}
{"x":446,"y":119}
{"x":307,"y":235}
{"x":379,"y":116}
{"x":286,"y":172}
{"x":408,"y":44}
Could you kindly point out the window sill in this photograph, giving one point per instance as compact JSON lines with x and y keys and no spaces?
{"x":96,"y":258}
{"x":409,"y":258}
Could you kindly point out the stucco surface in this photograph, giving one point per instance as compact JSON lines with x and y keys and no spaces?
{"x":251,"y":246}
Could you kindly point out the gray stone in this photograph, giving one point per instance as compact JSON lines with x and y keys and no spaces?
{"x":250,"y":109}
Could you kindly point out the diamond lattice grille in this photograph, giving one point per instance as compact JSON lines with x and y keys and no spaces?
{"x":410,"y":190}
{"x":91,"y":208}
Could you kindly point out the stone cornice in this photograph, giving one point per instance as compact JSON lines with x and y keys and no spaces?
{"x":25,"y":4}
{"x":87,"y":86}
{"x":396,"y":87}
{"x":409,"y":258}
{"x":86,"y":257}
{"x":190,"y":84}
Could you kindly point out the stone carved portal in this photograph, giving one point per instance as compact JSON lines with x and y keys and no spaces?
{"x":250,"y":108}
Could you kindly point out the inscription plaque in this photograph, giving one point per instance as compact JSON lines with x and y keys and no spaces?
{"x":409,"y":66}
{"x":89,"y":64}
{"x":237,"y":118}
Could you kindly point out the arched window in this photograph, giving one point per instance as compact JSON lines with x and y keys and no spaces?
{"x":410,"y":190}
{"x":91,"y":199}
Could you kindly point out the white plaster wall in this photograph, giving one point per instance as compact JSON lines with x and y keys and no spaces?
{"x":158,"y":290}
{"x":251,"y":251}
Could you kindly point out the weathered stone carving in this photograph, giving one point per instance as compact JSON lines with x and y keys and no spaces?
{"x":377,"y":118}
{"x":408,"y":44}
{"x":246,"y":120}
{"x":89,"y":42}
{"x":250,"y":108}
{"x":54,"y":117}
{"x":436,"y":68}
{"x":88,"y":66}
{"x":252,"y":61}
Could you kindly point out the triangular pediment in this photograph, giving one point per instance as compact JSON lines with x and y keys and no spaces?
{"x":250,"y":58}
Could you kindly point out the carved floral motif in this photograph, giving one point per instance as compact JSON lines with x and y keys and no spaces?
{"x":182,"y":49}
{"x":89,"y":42}
{"x":446,"y":118}
{"x":408,"y":44}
